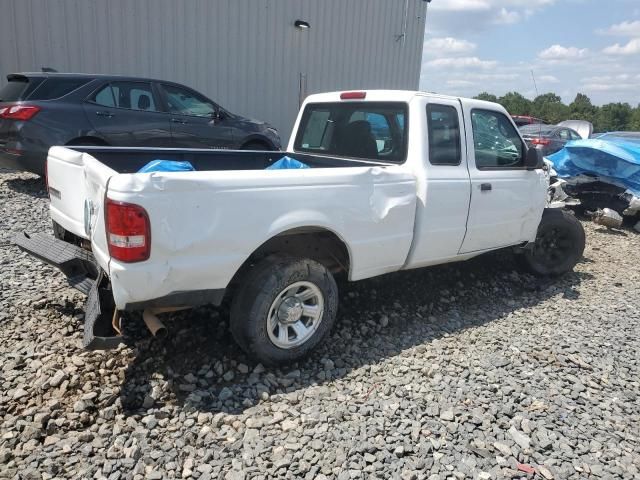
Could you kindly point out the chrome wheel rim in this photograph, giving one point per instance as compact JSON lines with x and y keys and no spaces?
{"x":295,"y":315}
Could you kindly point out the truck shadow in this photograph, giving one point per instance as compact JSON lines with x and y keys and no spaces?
{"x":27,"y":184}
{"x":378,"y":319}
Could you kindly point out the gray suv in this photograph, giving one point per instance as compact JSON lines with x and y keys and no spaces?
{"x":39,"y":110}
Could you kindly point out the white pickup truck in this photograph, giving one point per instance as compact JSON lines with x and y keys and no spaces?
{"x":396,"y":180}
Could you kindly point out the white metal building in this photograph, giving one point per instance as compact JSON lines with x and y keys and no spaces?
{"x":254,"y":57}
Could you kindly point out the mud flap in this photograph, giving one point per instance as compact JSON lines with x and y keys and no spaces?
{"x":99,"y":333}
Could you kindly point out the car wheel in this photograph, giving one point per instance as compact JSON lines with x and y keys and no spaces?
{"x":559,"y":244}
{"x":283,"y":309}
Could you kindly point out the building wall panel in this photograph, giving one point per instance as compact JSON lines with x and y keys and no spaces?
{"x":245,"y":54}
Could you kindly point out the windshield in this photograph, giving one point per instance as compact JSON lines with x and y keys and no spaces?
{"x":367,"y":130}
{"x":536,"y":129}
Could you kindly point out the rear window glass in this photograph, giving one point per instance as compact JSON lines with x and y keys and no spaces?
{"x":54,"y":88}
{"x":13,"y":91}
{"x":537,"y":128}
{"x":367,"y":130}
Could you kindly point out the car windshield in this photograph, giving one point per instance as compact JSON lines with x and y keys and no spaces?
{"x":536,"y":129}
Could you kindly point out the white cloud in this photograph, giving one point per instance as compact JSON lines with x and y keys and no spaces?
{"x":547,"y":79}
{"x":507,"y":17}
{"x":631,"y":48}
{"x":460,"y":83}
{"x":473,"y":16}
{"x":442,"y":46}
{"x":462,"y":5}
{"x":466,"y":5}
{"x":624,"y":29}
{"x":558,"y":52}
{"x":609,"y":87}
{"x":461,"y":62}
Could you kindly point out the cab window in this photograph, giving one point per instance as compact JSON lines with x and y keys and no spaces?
{"x":443,"y":135}
{"x":366,"y":130}
{"x":496,"y":142}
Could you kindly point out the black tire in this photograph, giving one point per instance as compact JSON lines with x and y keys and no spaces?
{"x":256,"y":146}
{"x":259,"y":289}
{"x":559,"y":244}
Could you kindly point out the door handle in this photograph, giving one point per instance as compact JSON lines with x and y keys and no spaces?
{"x":104,"y":114}
{"x":485,"y":187}
{"x":177,"y":120}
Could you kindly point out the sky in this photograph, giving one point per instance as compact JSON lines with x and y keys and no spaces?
{"x":572,"y":46}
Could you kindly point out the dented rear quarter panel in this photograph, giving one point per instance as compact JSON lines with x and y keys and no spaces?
{"x":204,"y":225}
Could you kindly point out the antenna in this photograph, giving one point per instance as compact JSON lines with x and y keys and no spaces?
{"x":535,"y":86}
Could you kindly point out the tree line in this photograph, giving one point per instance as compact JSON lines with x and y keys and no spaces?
{"x":549,"y":107}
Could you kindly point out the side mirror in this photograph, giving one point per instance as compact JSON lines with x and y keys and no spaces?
{"x":533,"y":159}
{"x":217,"y":115}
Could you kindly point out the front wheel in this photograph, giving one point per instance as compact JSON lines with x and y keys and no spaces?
{"x":559,"y":244}
{"x":283,"y":309}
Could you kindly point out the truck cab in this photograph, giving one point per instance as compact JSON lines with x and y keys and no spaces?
{"x":475,"y":190}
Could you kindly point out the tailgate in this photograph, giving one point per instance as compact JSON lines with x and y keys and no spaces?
{"x":77,"y":183}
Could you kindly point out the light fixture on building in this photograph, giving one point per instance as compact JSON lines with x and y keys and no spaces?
{"x":301,"y":24}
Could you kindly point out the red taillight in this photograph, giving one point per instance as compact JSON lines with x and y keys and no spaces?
{"x":128,"y":232}
{"x":540,"y":141}
{"x":18,"y":112}
{"x":353,"y":95}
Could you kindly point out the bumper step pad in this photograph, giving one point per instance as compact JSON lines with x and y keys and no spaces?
{"x":76,"y":263}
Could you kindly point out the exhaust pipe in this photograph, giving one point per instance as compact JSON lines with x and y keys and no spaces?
{"x":153,"y":323}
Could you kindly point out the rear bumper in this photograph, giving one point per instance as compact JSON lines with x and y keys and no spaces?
{"x":101,"y":323}
{"x":25,"y":161}
{"x":79,"y":266}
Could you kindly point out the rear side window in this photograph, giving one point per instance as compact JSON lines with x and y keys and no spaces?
{"x":444,"y":135}
{"x":496,"y":141}
{"x":129,"y":95}
{"x":18,"y":88}
{"x":53,"y":88}
{"x":367,"y":130}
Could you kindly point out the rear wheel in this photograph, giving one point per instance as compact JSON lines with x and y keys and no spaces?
{"x":559,"y":244}
{"x":283,"y":309}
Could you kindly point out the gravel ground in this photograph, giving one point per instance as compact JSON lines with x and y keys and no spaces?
{"x":465,"y":371}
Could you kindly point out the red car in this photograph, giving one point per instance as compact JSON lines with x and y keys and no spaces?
{"x":521,"y":120}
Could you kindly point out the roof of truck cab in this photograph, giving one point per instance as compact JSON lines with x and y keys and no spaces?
{"x":385,"y":96}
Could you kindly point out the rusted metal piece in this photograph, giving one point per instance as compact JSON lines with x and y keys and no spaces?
{"x":608,"y":218}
